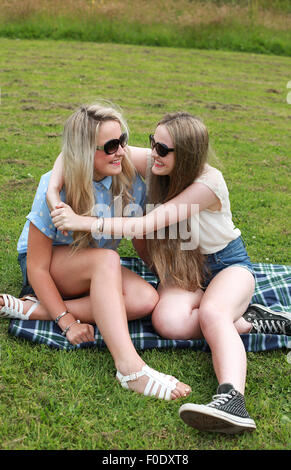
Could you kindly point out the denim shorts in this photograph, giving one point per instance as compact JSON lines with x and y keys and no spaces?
{"x":26,"y":287}
{"x":234,"y":254}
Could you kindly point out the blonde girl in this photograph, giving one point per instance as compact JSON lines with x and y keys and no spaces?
{"x":77,"y":281}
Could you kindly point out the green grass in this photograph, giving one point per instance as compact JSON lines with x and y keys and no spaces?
{"x":70,"y":400}
{"x":249,"y":26}
{"x":227,"y":35}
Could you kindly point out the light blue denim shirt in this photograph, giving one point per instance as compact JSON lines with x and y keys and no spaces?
{"x":105,"y":207}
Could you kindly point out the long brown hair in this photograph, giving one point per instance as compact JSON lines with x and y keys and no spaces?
{"x":184,"y":268}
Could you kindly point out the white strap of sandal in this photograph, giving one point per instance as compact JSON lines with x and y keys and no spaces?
{"x":33,"y":307}
{"x":13,"y":308}
{"x":155,"y":380}
{"x":123,"y":379}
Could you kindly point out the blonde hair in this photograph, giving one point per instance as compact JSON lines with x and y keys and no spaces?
{"x":78,"y":150}
{"x":191,"y":143}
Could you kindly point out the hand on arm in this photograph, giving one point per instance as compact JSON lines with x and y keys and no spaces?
{"x":64,"y":218}
{"x":39,"y":256}
{"x":192,"y":200}
{"x":195,"y":198}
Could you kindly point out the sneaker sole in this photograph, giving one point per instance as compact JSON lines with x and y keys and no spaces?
{"x":266,"y":309}
{"x":205,"y":418}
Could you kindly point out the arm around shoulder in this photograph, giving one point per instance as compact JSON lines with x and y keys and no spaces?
{"x":56,"y":183}
{"x":138,"y":156}
{"x":190,"y":201}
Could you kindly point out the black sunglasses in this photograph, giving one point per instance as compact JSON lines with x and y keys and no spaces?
{"x":111,"y":146}
{"x":161,"y":149}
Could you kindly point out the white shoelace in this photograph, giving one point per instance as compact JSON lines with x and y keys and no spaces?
{"x":220,"y":399}
{"x":269,"y":326}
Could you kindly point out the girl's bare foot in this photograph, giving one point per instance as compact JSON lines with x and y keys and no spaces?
{"x":148,"y":381}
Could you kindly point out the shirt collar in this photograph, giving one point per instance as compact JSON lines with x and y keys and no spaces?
{"x":106,"y":182}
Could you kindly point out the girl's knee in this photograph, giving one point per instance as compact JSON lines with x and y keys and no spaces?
{"x":144,"y":304}
{"x":171,"y":324}
{"x":108,"y":261}
{"x":105,"y":255}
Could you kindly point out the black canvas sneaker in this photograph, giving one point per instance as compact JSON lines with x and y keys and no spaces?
{"x":226,"y":413}
{"x":265,"y":320}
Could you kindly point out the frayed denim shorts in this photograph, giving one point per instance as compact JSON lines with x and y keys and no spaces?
{"x":234,"y":254}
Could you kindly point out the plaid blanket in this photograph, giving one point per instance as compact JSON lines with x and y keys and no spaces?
{"x":273,"y":289}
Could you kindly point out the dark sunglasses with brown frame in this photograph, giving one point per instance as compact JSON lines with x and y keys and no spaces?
{"x":112,"y":145}
{"x":161,"y":149}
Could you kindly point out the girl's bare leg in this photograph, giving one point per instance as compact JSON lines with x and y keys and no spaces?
{"x":224,"y":301}
{"x":176,"y":315}
{"x":98,"y":271}
{"x":137,"y":306}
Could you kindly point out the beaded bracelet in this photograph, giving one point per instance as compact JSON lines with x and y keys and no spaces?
{"x":68,"y":327}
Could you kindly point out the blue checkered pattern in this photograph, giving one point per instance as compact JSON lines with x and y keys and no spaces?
{"x":273,"y":289}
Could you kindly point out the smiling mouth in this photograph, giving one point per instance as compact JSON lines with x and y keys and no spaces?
{"x":116,"y":163}
{"x":158,"y":164}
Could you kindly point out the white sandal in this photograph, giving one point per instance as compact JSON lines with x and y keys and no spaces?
{"x":156,"y":380}
{"x":13,"y":308}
